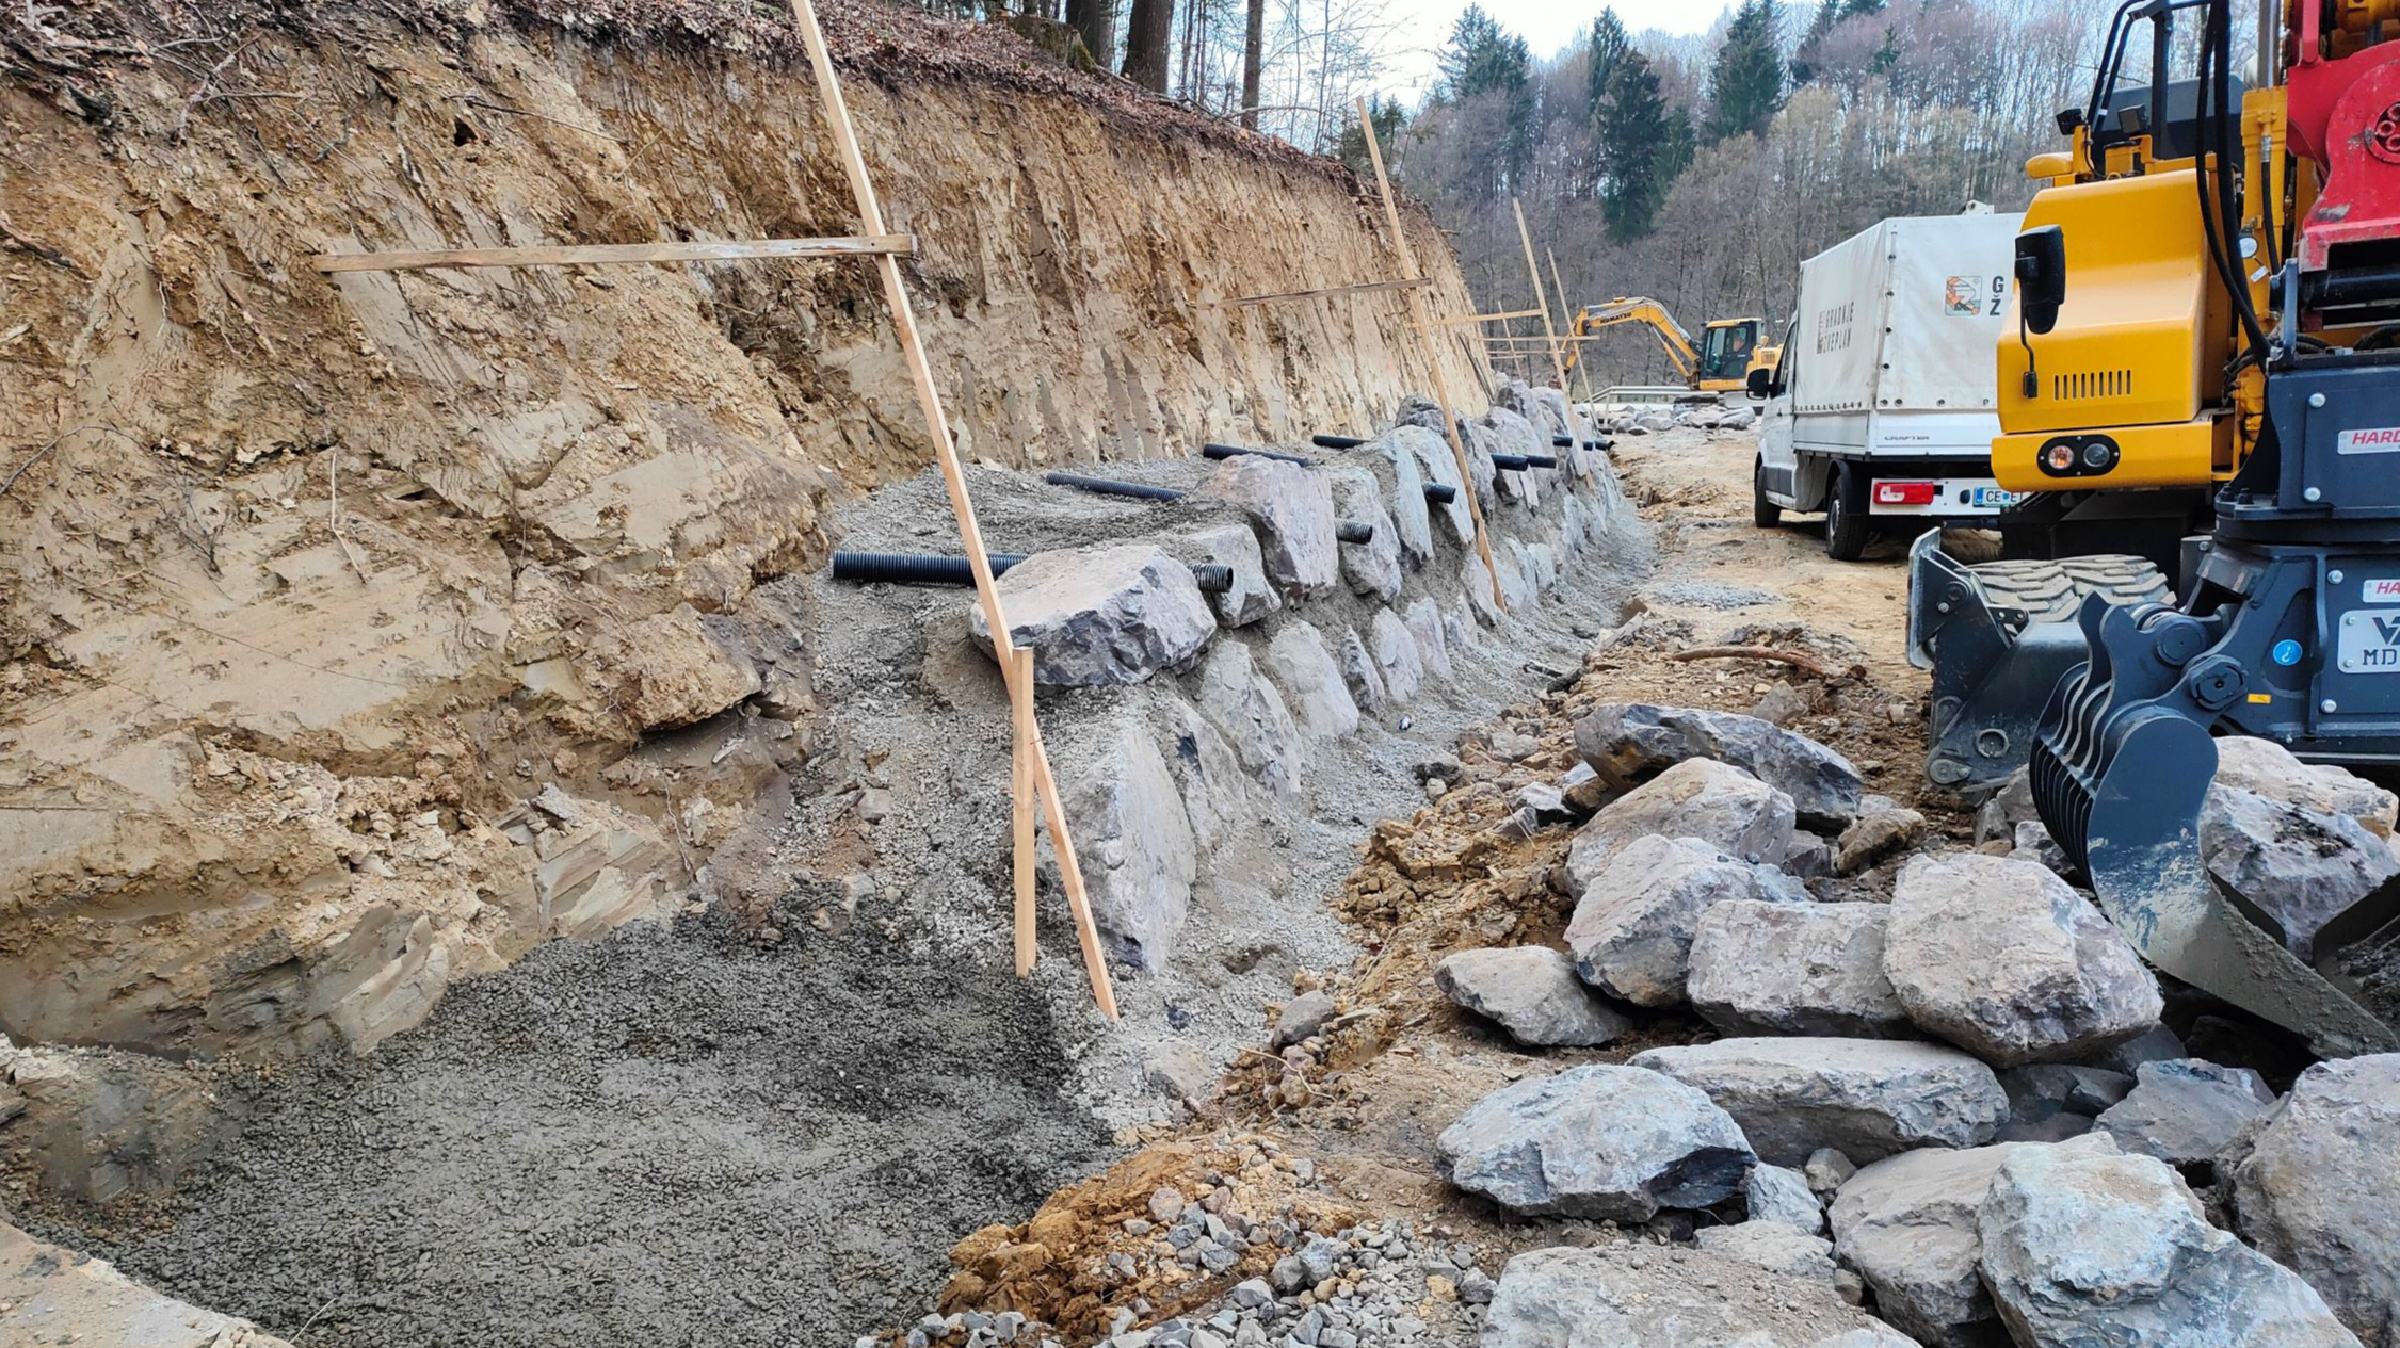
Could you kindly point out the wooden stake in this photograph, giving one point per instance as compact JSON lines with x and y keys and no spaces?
{"x":945,"y":451}
{"x":1433,"y":355}
{"x":597,"y":254}
{"x":1566,"y":315}
{"x":1541,"y":294}
{"x":1021,"y":802}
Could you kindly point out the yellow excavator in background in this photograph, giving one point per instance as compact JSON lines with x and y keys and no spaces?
{"x":1720,"y":362}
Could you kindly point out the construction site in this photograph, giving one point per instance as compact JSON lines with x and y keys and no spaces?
{"x":819,"y":675}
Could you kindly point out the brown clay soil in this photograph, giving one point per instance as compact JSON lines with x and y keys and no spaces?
{"x":1404,"y":1062}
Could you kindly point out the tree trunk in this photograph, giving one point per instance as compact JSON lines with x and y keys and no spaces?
{"x":1095,"y":21}
{"x":1149,"y":30}
{"x":1254,"y":49}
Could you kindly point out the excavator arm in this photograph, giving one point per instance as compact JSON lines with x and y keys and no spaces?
{"x":1640,"y":309}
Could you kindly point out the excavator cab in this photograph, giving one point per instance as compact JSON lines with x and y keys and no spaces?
{"x":1725,"y":352}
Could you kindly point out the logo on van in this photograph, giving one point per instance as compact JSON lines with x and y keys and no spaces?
{"x":1973,"y":296}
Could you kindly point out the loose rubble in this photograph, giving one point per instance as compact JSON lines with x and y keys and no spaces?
{"x":2184,"y":1110}
{"x":2312,"y":1187}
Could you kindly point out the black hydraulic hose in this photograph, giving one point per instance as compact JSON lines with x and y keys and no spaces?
{"x":1217,"y":451}
{"x":915,"y":568}
{"x":1440,"y":493}
{"x":2212,"y":121}
{"x":1354,"y":531}
{"x":1336,"y":441}
{"x":1109,"y":486}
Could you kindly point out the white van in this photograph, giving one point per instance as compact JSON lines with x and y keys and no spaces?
{"x":1884,"y":407}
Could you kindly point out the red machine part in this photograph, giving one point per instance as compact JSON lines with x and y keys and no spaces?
{"x":2344,"y":113}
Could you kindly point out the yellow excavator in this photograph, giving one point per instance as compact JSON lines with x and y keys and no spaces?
{"x":1720,"y":362}
{"x":2207,"y":314}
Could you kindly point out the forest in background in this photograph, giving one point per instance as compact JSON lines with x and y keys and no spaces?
{"x":1697,"y":169}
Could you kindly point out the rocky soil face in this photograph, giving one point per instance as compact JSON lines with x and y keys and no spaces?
{"x":358,"y":634}
{"x":773,"y":1114}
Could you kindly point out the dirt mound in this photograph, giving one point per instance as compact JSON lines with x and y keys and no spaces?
{"x":1093,"y":1248}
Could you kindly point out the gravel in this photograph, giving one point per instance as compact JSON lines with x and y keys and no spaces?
{"x":669,"y":1136}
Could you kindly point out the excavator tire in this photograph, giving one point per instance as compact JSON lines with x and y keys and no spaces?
{"x":2051,"y":591}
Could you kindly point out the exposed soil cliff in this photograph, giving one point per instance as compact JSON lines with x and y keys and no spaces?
{"x":358,"y":633}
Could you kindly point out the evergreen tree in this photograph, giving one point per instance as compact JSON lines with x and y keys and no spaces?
{"x":1746,"y":86}
{"x":1489,"y":72}
{"x":1636,"y":139}
{"x":1609,"y":44}
{"x":1854,"y":9}
{"x":1804,"y":60}
{"x":1389,"y":118}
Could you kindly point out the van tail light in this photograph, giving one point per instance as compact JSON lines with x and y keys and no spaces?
{"x":1904,"y":493}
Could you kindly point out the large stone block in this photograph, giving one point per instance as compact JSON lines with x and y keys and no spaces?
{"x":1795,"y":968}
{"x":1631,"y":742}
{"x":2001,"y":958}
{"x":1866,"y":1098}
{"x":1907,"y":1224}
{"x":2185,"y":1110}
{"x":1607,"y":1143}
{"x":1232,"y":544}
{"x":1301,"y":665}
{"x":2314,"y":1187}
{"x":1401,"y":454}
{"x":1632,"y":929}
{"x":1372,"y":567}
{"x":1716,"y":803}
{"x":2086,"y":1246}
{"x":1424,"y":622}
{"x":1396,"y":656}
{"x":1533,"y":993}
{"x":1247,"y":710}
{"x":1292,"y":508}
{"x":1651,"y":1296}
{"x":1134,"y":836}
{"x":1101,"y":617}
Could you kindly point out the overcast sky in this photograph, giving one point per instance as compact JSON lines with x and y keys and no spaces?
{"x":1546,"y":25}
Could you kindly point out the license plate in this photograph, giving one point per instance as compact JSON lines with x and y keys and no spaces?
{"x":2369,"y":643}
{"x":1996,"y":498}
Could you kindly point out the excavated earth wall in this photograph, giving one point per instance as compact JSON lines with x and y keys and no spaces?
{"x":359,"y":633}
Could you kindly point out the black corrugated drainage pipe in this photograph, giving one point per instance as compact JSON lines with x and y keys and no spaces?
{"x":1216,"y":451}
{"x":1568,"y":442}
{"x":1354,"y":531}
{"x":1440,"y":493}
{"x":1109,"y":486}
{"x":1336,"y":441}
{"x":917,"y":568}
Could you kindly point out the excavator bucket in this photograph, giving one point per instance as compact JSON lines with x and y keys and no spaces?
{"x":1997,"y":638}
{"x":2120,"y":771}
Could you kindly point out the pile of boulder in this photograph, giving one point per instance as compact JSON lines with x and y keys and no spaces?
{"x":1221,"y":700}
{"x":1951,"y":1104}
{"x":1659,"y":418}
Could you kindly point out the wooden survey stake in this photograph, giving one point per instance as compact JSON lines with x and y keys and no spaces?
{"x":1015,"y":669}
{"x":1541,"y":297}
{"x":1433,"y":355}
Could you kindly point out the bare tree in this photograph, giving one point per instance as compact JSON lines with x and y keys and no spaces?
{"x":1095,"y":21}
{"x":1254,"y":45}
{"x":1149,"y":30}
